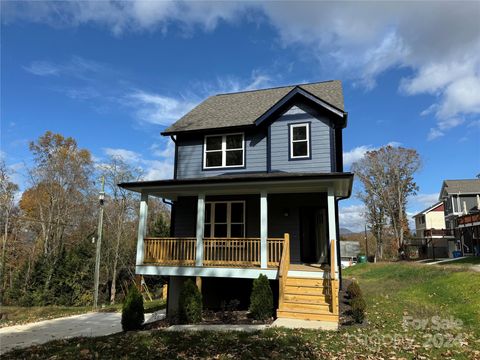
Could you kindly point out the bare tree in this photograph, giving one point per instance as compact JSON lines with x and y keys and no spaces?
{"x":387,"y":176}
{"x":119,"y":211}
{"x":7,"y":205}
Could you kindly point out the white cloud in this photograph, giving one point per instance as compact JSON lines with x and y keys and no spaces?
{"x":42,"y":68}
{"x":438,"y":42}
{"x":158,"y":109}
{"x":126,"y":155}
{"x":349,"y":157}
{"x":152,"y":169}
{"x":77,"y":67}
{"x":352,"y":217}
{"x":167,"y":152}
{"x":434,"y":133}
{"x":424,"y":200}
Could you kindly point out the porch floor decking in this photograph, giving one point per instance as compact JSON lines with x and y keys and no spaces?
{"x":308,"y":267}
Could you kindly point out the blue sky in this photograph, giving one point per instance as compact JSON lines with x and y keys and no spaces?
{"x":113,"y":75}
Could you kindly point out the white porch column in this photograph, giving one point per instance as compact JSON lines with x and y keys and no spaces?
{"x":142,"y":228}
{"x":263,"y":229}
{"x":332,"y":226}
{"x":200,"y":228}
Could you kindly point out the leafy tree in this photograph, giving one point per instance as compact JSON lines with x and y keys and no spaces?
{"x":387,"y":177}
{"x":59,"y":199}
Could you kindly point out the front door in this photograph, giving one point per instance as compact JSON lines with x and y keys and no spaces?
{"x":313,"y":235}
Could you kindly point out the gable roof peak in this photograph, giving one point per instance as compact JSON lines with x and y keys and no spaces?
{"x":244,"y":108}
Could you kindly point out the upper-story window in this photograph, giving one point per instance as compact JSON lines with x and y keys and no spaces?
{"x":300,"y":141}
{"x":223,"y":151}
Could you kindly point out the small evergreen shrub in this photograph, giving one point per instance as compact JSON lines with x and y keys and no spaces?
{"x":190,"y":303}
{"x":358,"y":309}
{"x":261,"y":299}
{"x":132,"y":310}
{"x":353,"y":290}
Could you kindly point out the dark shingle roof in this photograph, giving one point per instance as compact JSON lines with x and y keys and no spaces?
{"x":243,"y":108}
{"x":461,"y":186}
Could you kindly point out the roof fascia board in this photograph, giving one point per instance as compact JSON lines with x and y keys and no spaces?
{"x":209,"y":131}
{"x":298,"y":91}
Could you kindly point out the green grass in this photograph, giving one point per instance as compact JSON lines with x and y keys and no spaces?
{"x":22,"y":315}
{"x":392,"y":292}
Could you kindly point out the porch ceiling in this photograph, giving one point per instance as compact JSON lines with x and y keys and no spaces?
{"x":272,"y":183}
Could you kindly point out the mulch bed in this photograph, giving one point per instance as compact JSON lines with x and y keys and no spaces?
{"x":209,"y":317}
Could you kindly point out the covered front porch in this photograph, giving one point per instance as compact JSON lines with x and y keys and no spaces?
{"x":232,"y":226}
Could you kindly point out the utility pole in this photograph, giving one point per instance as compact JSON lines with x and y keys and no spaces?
{"x":366,"y":241}
{"x":101,"y":198}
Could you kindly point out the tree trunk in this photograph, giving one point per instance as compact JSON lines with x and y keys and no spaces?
{"x":2,"y":265}
{"x":113,"y":289}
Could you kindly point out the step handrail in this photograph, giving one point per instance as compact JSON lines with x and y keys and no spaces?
{"x":283,"y":268}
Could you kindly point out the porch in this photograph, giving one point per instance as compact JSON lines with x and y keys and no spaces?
{"x":236,"y":226}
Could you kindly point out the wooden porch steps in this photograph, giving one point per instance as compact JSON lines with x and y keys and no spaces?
{"x":307,"y":299}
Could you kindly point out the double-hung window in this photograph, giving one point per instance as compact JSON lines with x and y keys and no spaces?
{"x":300,"y":141}
{"x":223,"y":151}
{"x":224,"y":219}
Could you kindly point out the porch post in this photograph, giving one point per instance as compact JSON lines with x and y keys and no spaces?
{"x":263,"y":229}
{"x":332,"y":226}
{"x":200,"y":228}
{"x":142,"y":228}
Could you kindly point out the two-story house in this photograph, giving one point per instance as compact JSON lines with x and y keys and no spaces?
{"x":461,"y":200}
{"x":257,"y":180}
{"x":430,"y":230}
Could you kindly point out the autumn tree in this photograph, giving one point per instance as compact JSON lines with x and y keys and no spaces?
{"x":59,"y":197}
{"x":8,"y":190}
{"x":387,"y":178}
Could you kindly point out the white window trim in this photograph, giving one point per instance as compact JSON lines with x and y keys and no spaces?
{"x":224,"y":152}
{"x":292,"y":126}
{"x":229,"y":218}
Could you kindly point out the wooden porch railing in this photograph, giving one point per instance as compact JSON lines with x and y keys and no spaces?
{"x":170,"y":251}
{"x":283,"y":269}
{"x":334,"y":285}
{"x":241,"y":252}
{"x":231,"y":252}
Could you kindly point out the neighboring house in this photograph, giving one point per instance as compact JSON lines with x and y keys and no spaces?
{"x":461,"y":198}
{"x":257,"y":180}
{"x":430,"y":230}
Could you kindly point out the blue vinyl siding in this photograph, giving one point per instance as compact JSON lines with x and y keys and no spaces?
{"x":320,"y":137}
{"x":263,"y":157}
{"x":190,"y":157}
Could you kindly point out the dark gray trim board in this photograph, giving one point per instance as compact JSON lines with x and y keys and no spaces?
{"x":237,"y":178}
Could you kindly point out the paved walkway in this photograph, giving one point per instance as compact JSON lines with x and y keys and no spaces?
{"x":91,"y":324}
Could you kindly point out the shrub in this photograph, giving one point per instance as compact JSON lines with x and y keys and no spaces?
{"x":190,"y":303}
{"x":353,"y":290}
{"x":358,"y":309}
{"x":261,"y":299}
{"x":132,"y":310}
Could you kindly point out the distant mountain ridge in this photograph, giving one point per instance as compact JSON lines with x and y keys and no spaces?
{"x":345,"y":231}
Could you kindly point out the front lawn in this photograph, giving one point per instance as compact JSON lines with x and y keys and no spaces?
{"x":403,"y":302}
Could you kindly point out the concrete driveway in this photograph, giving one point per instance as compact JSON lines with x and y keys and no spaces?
{"x":91,"y":324}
